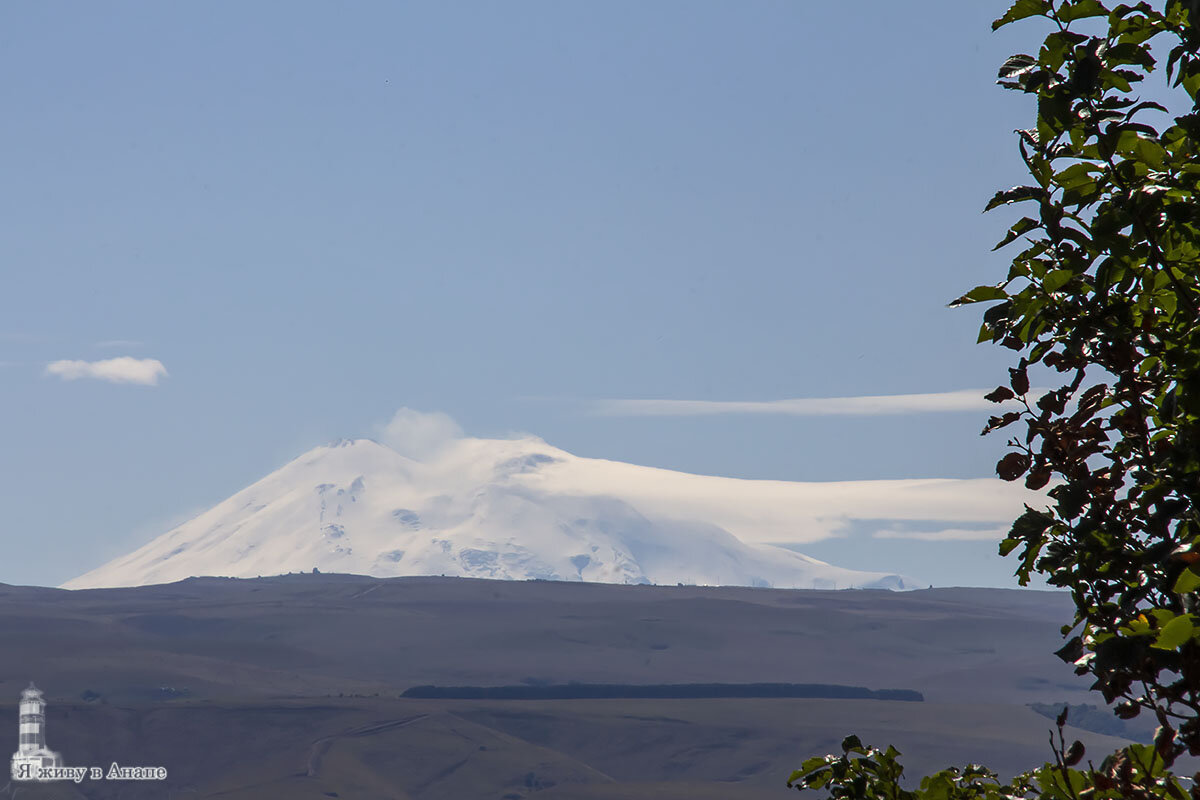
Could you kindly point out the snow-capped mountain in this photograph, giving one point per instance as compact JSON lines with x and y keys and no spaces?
{"x":485,"y":508}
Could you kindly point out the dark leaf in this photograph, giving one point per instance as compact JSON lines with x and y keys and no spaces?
{"x":1019,"y":380}
{"x":995,"y":423}
{"x":1053,"y":402}
{"x":1127,"y":710}
{"x":1015,"y":65}
{"x":1038,"y":478}
{"x":997,"y":313}
{"x":1012,"y":466}
{"x":1074,"y":754}
{"x":1143,"y":106}
{"x":1093,"y":394}
{"x":1000,"y":394}
{"x":1164,"y":737}
{"x":1071,"y":652}
{"x":1030,"y":525}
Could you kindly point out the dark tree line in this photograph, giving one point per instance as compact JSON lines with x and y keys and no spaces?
{"x":592,"y":691}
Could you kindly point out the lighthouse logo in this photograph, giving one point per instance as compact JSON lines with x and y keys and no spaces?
{"x":33,"y":759}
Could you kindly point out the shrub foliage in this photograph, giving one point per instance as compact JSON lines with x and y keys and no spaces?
{"x":1102,"y":303}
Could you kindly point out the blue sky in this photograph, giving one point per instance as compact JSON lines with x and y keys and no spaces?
{"x":311,"y":215}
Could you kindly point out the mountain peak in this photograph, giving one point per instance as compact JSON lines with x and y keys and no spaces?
{"x":491,"y":508}
{"x":338,"y":444}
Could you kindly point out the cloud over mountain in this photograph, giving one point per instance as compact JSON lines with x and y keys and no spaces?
{"x":419,"y":434}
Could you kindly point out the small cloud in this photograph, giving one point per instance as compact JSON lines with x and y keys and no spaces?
{"x":119,"y":343}
{"x":419,"y":434}
{"x":144,"y":371}
{"x":947,"y":535}
{"x":867,"y":405}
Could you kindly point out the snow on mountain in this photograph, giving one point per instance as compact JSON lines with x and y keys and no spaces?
{"x":486,"y":508}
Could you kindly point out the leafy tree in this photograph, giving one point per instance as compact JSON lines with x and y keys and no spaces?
{"x":1103,"y":302}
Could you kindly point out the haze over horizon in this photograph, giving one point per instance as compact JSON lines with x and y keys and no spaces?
{"x":688,"y":236}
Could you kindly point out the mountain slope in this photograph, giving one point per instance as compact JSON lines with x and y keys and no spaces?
{"x":512,"y":509}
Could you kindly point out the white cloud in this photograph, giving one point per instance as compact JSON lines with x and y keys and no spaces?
{"x":756,"y":511}
{"x":418,"y":434}
{"x":870,"y":405}
{"x":786,"y":511}
{"x":144,"y":371}
{"x":947,"y":535}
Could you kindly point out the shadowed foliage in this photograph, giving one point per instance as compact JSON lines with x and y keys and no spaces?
{"x":1103,"y":303}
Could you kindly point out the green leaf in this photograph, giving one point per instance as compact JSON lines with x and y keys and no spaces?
{"x":1084,"y":8}
{"x":1008,"y":545}
{"x":1020,"y":10}
{"x":1015,"y":195}
{"x":1022,"y":226}
{"x":1187,"y":582}
{"x":798,"y":775}
{"x":1151,"y":152}
{"x":1191,"y":84}
{"x":1175,"y":633}
{"x":981,"y":294}
{"x":1056,"y":279}
{"x":1076,"y":175}
{"x":818,"y":779}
